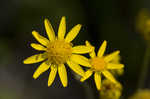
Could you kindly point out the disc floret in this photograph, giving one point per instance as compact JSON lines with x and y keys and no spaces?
{"x":59,"y":51}
{"x":98,"y":64}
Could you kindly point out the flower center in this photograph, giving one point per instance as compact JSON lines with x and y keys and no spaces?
{"x":98,"y":64}
{"x":59,"y":51}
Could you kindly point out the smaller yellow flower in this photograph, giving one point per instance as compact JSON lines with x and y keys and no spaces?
{"x":101,"y":65}
{"x":110,"y":90}
{"x":141,"y":94}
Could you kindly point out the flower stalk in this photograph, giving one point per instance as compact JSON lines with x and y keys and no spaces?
{"x":145,"y":66}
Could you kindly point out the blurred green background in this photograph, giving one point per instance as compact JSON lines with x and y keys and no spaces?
{"x":111,"y":20}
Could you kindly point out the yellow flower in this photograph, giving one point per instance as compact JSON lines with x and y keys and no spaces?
{"x":141,"y":94}
{"x":57,"y":52}
{"x":101,"y":65}
{"x":110,"y":90}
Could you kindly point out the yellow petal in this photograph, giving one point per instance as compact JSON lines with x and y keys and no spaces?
{"x":92,"y":53}
{"x":97,"y":78}
{"x":44,"y":41}
{"x":76,"y":68}
{"x":80,"y":60}
{"x":114,"y":66}
{"x":63,"y":75}
{"x":52,"y":75}
{"x":81,"y":49}
{"x":35,"y":59}
{"x":102,"y":49}
{"x":109,"y":76}
{"x":38,"y":47}
{"x":87,"y":74}
{"x":49,"y":30}
{"x":62,"y":28}
{"x":109,"y":57}
{"x":88,"y":43}
{"x":73,"y":33}
{"x":42,"y":68}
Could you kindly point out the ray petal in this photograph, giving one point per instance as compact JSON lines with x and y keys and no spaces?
{"x":63,"y":74}
{"x":76,"y":68}
{"x":62,"y":28}
{"x":114,"y":66}
{"x":109,"y":57}
{"x":97,"y":78}
{"x":38,"y":47}
{"x":73,"y":33}
{"x":88,"y":73}
{"x":102,"y":49}
{"x":35,"y":59}
{"x":42,"y":68}
{"x":49,"y":30}
{"x":81,"y":49}
{"x":92,"y":53}
{"x":80,"y":60}
{"x":44,"y":41}
{"x":109,"y":76}
{"x":52,"y":74}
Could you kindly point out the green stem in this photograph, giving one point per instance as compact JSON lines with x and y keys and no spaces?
{"x":89,"y":92}
{"x":145,"y":66}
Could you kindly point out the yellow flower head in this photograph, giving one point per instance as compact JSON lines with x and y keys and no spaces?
{"x":101,"y":64}
{"x":141,"y":94}
{"x":58,"y":50}
{"x":110,"y":90}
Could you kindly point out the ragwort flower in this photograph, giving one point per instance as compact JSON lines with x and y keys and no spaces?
{"x":101,"y":65}
{"x":57,"y":52}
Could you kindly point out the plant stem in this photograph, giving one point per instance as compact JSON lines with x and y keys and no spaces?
{"x":144,"y":69}
{"x":89,"y":91}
